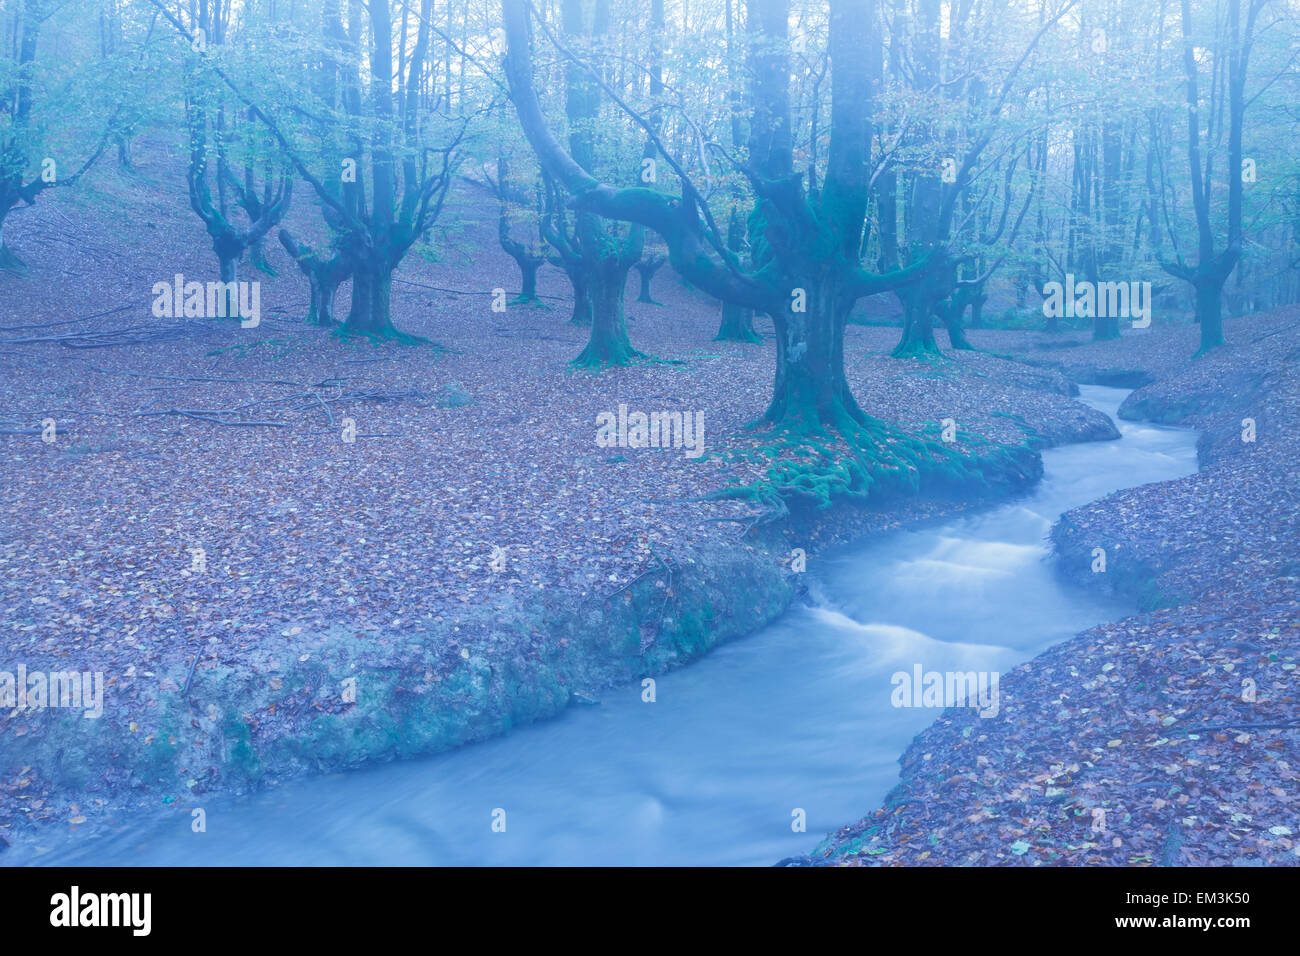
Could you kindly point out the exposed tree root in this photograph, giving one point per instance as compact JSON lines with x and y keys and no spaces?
{"x":607,"y":355}
{"x":379,"y":336}
{"x":915,"y":349}
{"x":816,"y":464}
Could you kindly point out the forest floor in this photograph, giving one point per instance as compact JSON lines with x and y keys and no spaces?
{"x":1171,"y":737}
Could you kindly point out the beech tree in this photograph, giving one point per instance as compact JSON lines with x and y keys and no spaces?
{"x":408,"y":175}
{"x":806,"y":270}
{"x":1225,"y":56}
{"x":951,"y":112}
{"x":45,"y":139}
{"x":513,"y":202}
{"x":213,"y":129}
{"x":398,"y":153}
{"x":325,"y":272}
{"x":651,"y":262}
{"x":595,"y":255}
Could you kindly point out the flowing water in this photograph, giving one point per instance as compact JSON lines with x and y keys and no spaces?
{"x":797,"y":716}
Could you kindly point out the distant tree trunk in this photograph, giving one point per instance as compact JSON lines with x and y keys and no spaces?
{"x":528,"y":265}
{"x":582,"y":303}
{"x":737,"y":325}
{"x":918,"y":322}
{"x":737,"y":321}
{"x":1105,"y":327}
{"x":925,"y":230}
{"x":565,"y":254}
{"x":1212,"y":269}
{"x":646,"y":268}
{"x":605,"y":259}
{"x":950,"y":311}
{"x":324,"y":275}
{"x":525,"y":258}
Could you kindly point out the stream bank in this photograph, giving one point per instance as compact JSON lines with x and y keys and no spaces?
{"x":1168,"y":738}
{"x":739,"y":759}
{"x":321,"y":701}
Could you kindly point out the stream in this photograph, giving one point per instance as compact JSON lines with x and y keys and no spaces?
{"x":796,"y":716}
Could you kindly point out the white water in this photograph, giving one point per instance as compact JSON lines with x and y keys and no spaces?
{"x":796,"y":716}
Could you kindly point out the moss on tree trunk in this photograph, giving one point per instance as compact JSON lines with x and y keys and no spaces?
{"x":370,"y":315}
{"x":609,"y":343}
{"x":918,"y":323}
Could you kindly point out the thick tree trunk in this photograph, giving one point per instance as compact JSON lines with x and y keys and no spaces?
{"x":582,"y":308}
{"x":528,"y":280}
{"x":609,"y":343}
{"x":647,"y":268}
{"x":370,"y":314}
{"x":951,"y":312}
{"x":1209,"y":311}
{"x":737,"y":325}
{"x":809,"y":389}
{"x":918,"y":323}
{"x":228,"y":268}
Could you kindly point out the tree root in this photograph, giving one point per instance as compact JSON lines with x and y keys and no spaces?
{"x":816,"y":464}
{"x":379,"y":336}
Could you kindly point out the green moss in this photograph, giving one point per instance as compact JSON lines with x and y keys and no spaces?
{"x":814,"y":464}
{"x":240,"y":754}
{"x":453,"y":395}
